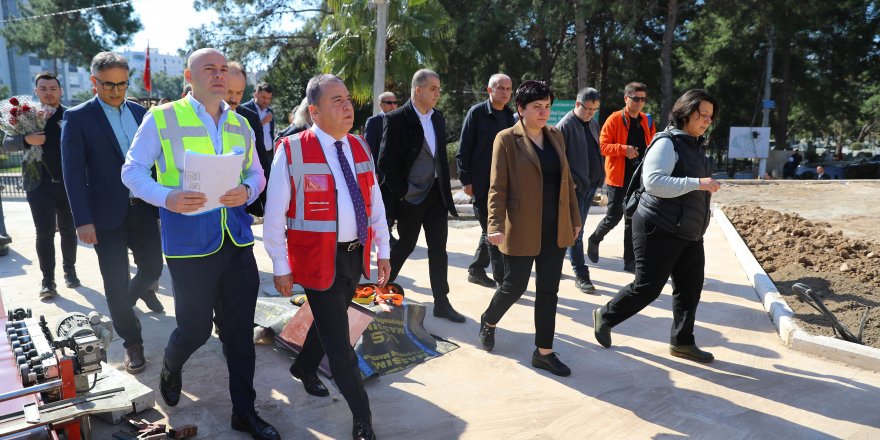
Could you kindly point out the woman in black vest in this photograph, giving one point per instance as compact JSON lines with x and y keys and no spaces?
{"x":668,"y":227}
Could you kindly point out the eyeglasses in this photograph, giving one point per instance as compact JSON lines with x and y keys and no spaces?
{"x":638,"y":98}
{"x":390,"y":102}
{"x":108,"y":86}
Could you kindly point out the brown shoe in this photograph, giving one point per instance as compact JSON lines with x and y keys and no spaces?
{"x":134,"y":359}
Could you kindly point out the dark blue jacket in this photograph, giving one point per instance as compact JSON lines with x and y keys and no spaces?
{"x":373,"y":133}
{"x":92,"y":161}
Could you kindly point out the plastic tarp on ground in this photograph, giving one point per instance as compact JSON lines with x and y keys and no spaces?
{"x":386,"y":339}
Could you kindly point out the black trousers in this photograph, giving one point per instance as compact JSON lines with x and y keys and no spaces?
{"x":230,"y":274}
{"x":660,"y":254}
{"x":613,"y":214}
{"x":431,"y":215}
{"x":517,"y":271}
{"x":140,"y":233}
{"x":486,"y":252}
{"x":329,"y":332}
{"x":49,"y":208}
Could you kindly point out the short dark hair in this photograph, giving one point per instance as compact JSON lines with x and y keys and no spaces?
{"x":46,"y":76}
{"x":588,"y":94}
{"x":634,"y":87}
{"x":264,"y":87}
{"x":531,"y":91}
{"x":689,"y":103}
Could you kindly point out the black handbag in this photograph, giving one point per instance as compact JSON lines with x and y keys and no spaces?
{"x":635,"y":189}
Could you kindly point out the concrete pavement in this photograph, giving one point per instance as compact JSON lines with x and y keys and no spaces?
{"x":757,"y":388}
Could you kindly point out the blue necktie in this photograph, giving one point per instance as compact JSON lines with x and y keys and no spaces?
{"x":357,"y":199}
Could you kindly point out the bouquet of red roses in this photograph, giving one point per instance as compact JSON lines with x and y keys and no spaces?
{"x":21,"y":116}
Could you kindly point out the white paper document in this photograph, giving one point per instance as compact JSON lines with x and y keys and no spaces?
{"x":212,"y":175}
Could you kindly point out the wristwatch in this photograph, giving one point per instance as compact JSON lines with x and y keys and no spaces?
{"x":249,"y":190}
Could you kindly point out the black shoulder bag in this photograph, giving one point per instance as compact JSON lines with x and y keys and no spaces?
{"x":635,"y":189}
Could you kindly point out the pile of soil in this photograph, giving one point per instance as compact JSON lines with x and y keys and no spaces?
{"x":845,"y":272}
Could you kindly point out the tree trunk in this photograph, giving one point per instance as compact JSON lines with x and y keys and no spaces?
{"x":782,"y":101}
{"x":580,"y":28}
{"x":666,"y":62}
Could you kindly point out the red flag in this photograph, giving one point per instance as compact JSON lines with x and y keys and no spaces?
{"x":148,"y":86}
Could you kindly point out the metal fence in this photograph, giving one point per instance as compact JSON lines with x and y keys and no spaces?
{"x":10,"y":174}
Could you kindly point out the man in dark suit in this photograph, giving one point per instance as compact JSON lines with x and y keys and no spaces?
{"x":820,"y":173}
{"x":94,"y":141}
{"x":237,"y":81}
{"x":261,"y":105}
{"x":581,"y":132}
{"x":415,"y":184}
{"x":48,"y":200}
{"x":373,"y":128}
{"x":482,"y":123}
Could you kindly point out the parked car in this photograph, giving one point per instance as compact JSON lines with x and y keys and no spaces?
{"x":864,"y":169}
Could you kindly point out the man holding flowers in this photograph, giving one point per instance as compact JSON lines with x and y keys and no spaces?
{"x":23,"y":122}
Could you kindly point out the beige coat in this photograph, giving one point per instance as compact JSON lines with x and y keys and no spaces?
{"x":516,"y":192}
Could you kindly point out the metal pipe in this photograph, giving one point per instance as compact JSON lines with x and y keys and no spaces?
{"x":30,"y":390}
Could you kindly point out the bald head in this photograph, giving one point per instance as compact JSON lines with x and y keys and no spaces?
{"x":206,"y":71}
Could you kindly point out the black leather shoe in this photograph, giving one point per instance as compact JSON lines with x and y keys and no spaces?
{"x":311,"y":382}
{"x":629,"y":266}
{"x":593,"y":249}
{"x":170,"y":385}
{"x":446,"y":311}
{"x":550,"y":363}
{"x":4,"y":250}
{"x":480,"y":278}
{"x":600,"y":329}
{"x":255,"y":426}
{"x":584,"y":284}
{"x":152,"y":301}
{"x":487,"y":335}
{"x":71,"y":281}
{"x":691,"y":352}
{"x":363,"y":429}
{"x":48,"y":289}
{"x":5,"y":239}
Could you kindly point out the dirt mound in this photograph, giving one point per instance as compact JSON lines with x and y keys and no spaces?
{"x":844,"y":271}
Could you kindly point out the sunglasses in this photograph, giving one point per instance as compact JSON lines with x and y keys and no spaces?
{"x":390,"y":102}
{"x":638,"y":98}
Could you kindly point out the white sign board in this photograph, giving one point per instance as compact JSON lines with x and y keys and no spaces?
{"x":749,"y":142}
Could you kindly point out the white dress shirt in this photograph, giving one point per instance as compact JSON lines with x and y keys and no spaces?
{"x":146,"y":148}
{"x":268,"y":137}
{"x":428,"y":128}
{"x":278,"y":202}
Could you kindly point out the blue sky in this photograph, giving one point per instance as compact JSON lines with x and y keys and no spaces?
{"x":166,"y":24}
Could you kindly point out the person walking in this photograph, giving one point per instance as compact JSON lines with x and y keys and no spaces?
{"x":48,"y":200}
{"x":668,"y":227}
{"x":533,"y":218}
{"x":96,"y":136}
{"x":624,"y":138}
{"x":209,"y":255}
{"x":324,"y":245}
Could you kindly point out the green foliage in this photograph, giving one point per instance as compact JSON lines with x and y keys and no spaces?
{"x":416,"y":30}
{"x":76,"y":37}
{"x":164,"y":86}
{"x":291,"y":71}
{"x":4,"y":91}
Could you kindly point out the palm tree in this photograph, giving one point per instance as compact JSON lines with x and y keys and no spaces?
{"x":416,"y":32}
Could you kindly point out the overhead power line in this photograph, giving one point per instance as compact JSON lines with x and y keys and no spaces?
{"x":72,"y":11}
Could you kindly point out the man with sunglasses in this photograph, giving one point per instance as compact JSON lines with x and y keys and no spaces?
{"x":373,"y":128}
{"x":623,"y":141}
{"x":95,"y":138}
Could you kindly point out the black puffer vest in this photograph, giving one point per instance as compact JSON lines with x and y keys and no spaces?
{"x":686,"y":216}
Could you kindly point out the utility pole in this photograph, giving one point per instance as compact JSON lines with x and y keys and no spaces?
{"x":379,"y":60}
{"x":768,"y":76}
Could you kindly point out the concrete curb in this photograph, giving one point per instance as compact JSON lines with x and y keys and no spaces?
{"x":782,"y":316}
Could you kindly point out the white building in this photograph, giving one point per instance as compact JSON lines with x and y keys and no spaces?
{"x":170,"y":64}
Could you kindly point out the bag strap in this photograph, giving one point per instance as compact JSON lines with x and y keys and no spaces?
{"x":636,"y":182}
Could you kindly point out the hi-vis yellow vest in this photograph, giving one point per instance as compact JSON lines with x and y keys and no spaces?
{"x":180,"y":130}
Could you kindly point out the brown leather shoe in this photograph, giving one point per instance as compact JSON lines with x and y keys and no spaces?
{"x":134,"y":359}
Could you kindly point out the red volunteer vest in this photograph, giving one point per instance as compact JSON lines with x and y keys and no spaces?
{"x":312,"y":216}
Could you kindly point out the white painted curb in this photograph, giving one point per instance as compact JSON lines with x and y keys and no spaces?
{"x":782,"y":316}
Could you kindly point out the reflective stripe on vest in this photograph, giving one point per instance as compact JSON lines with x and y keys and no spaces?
{"x":180,"y":129}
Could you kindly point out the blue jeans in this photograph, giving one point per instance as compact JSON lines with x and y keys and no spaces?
{"x":576,"y":251}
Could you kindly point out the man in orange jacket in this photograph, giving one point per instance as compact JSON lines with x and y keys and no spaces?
{"x":623,"y":141}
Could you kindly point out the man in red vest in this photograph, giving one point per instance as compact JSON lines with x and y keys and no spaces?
{"x":324,"y":214}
